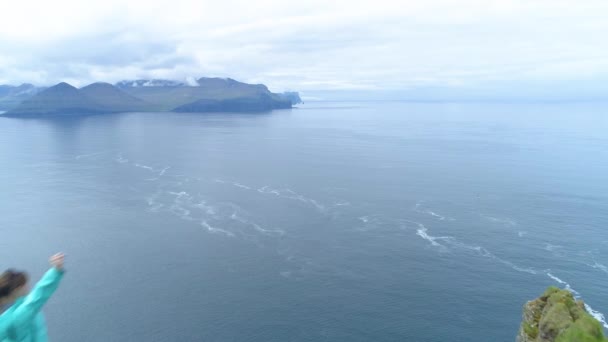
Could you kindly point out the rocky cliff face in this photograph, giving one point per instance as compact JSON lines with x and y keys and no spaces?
{"x":557,"y":317}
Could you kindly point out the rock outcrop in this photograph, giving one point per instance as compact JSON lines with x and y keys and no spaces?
{"x":557,"y":316}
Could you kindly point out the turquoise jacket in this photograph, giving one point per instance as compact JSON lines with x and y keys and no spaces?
{"x":23,"y":321}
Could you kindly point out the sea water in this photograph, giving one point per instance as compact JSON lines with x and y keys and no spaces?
{"x":328,"y":222}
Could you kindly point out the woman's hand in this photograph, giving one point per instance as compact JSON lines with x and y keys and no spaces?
{"x":57,"y":261}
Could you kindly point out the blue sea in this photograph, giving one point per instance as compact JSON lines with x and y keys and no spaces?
{"x":334,"y":221}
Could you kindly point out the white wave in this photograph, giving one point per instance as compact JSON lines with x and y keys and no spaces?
{"x":521,"y":233}
{"x":256,"y":226}
{"x":434,"y":214}
{"x":292,"y":195}
{"x":482,"y":251}
{"x":153,"y":204}
{"x":189,"y":208}
{"x":267,"y":190}
{"x":90,"y":155}
{"x":149,"y":168}
{"x":423,"y":233}
{"x":121,"y":159}
{"x":235,"y":184}
{"x":180,"y":211}
{"x":210,"y":210}
{"x":376,"y":221}
{"x":515,"y":267}
{"x":556,"y":278}
{"x":192,"y":208}
{"x":417,"y":208}
{"x":267,"y":231}
{"x":239,"y":185}
{"x":549,"y":247}
{"x":316,"y":204}
{"x":566,"y":285}
{"x":179,"y":194}
{"x":178,"y":207}
{"x":341,"y":203}
{"x":505,"y":221}
{"x":162,"y":172}
{"x":597,"y":315}
{"x":216,"y":230}
{"x":599,"y":266}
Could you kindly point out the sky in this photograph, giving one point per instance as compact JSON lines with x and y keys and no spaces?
{"x":359,"y":46}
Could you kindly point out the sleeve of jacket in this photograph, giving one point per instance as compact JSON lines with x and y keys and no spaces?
{"x":4,"y":327}
{"x":37,"y":297}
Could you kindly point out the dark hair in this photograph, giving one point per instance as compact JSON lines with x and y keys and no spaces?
{"x":11,"y":280}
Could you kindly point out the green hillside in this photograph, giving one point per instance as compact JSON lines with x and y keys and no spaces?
{"x":217,"y":89}
{"x":113,"y":99}
{"x":11,"y":96}
{"x":557,"y":316}
{"x":60,"y":99}
{"x":255,"y":103}
{"x":208,"y":95}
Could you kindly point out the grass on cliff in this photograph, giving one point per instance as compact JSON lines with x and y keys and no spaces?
{"x":561,"y":318}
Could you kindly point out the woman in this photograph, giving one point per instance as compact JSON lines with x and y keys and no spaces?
{"x":20,"y":316}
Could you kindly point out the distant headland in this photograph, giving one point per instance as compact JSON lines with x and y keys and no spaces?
{"x":207,"y":95}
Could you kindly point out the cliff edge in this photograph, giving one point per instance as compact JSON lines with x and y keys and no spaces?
{"x":557,"y":316}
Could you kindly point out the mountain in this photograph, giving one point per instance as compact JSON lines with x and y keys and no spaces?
{"x":558,"y":317}
{"x":203,"y":95}
{"x":60,"y":99}
{"x":113,"y":99}
{"x":5,"y":89}
{"x":208,"y":94}
{"x":259,"y":103}
{"x":11,"y":96}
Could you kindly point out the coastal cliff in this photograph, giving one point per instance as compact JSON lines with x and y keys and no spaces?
{"x":200,"y":96}
{"x":557,"y":316}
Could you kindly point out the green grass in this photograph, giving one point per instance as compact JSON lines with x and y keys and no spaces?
{"x":559,"y":317}
{"x":530,"y":330}
{"x":585,"y":329}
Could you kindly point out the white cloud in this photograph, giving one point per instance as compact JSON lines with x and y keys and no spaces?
{"x":312,"y":44}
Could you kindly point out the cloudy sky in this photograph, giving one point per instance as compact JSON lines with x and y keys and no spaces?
{"x":308,"y":45}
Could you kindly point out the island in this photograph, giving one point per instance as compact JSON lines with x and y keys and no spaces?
{"x":206,"y":95}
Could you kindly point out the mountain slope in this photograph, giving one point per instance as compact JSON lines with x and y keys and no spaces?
{"x":60,"y":99}
{"x":11,"y":96}
{"x":204,"y":95}
{"x":207,"y":93}
{"x":113,"y":99}
{"x":258,"y":103}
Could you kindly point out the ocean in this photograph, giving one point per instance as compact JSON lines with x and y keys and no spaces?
{"x":334,"y":221}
